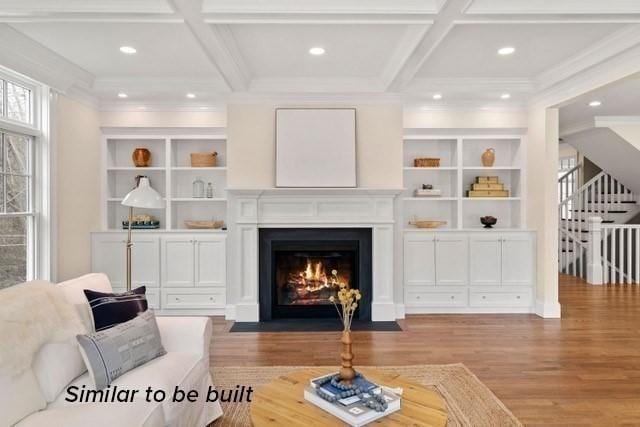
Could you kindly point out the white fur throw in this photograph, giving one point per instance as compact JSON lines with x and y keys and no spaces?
{"x":32,"y":314}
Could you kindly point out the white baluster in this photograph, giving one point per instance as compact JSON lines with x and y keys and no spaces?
{"x":628,"y":269}
{"x":594,"y":256}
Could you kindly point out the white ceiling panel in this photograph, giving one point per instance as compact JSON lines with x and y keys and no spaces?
{"x":555,"y":6}
{"x":8,"y":7}
{"x":164,"y":50}
{"x":471,"y":50}
{"x":322,"y":6}
{"x":352,"y":51}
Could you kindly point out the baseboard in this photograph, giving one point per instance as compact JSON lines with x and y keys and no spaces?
{"x":400,"y":311}
{"x":413,"y":309}
{"x":230,"y":312}
{"x":383,"y":311}
{"x":548,"y":310}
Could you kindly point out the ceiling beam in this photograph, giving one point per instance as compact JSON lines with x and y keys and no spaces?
{"x":318,"y":18}
{"x":445,"y":21}
{"x":544,"y":18}
{"x":163,"y":18}
{"x":212,"y":40}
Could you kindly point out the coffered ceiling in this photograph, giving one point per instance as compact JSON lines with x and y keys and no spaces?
{"x":220,"y":49}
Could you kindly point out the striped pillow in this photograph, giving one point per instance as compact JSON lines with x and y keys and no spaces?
{"x":112,"y":309}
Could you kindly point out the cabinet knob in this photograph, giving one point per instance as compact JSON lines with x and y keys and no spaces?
{"x":210,"y":298}
{"x":418,"y":297}
{"x":518,"y":297}
{"x":453,"y":297}
{"x":484,"y":297}
{"x":177,"y":299}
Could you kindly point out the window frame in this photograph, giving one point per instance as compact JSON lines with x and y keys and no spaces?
{"x":39,"y":230}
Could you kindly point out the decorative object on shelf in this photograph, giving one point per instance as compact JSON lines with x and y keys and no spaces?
{"x":487,"y":186}
{"x":426,"y":162}
{"x":142,"y":196}
{"x":209,"y":191}
{"x":488,"y":221}
{"x":204,"y":160}
{"x":427,"y":190}
{"x":141,"y":157}
{"x":142,"y":222}
{"x":427,"y":186}
{"x":426,"y":223}
{"x":198,"y":188}
{"x":348,"y":300}
{"x":203,"y":225}
{"x":488,"y":157}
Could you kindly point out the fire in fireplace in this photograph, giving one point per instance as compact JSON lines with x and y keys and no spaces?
{"x":300,"y":269}
{"x":311,"y":278}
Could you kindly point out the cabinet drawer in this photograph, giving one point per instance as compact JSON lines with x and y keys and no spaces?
{"x":153,"y":296}
{"x":192,"y":298}
{"x":501,"y":298}
{"x":436,"y":298}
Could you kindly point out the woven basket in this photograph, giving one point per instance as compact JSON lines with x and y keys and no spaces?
{"x":203,"y":224}
{"x":202,"y":160}
{"x":426,"y":162}
{"x":421,"y":223}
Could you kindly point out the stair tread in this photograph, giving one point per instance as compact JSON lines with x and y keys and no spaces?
{"x":589,"y":210}
{"x":604,"y":221}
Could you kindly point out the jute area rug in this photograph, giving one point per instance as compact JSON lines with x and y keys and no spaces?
{"x":469,"y":402}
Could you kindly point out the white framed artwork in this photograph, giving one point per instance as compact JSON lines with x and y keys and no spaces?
{"x":315,"y":147}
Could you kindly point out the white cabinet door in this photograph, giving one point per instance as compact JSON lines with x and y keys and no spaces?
{"x":211,"y":262}
{"x":419,"y":260}
{"x":145,"y":261}
{"x":178,"y":261}
{"x":485,"y":257}
{"x":108,"y":256}
{"x":517,"y":259}
{"x":451,"y":259}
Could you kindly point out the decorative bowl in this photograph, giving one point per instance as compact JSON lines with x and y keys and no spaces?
{"x":488,"y":221}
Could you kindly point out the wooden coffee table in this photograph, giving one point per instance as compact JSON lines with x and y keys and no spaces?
{"x":281,"y":402}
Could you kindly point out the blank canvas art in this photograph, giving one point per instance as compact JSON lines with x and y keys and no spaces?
{"x":316,"y":147}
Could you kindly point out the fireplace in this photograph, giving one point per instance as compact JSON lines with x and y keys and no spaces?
{"x":301,"y":268}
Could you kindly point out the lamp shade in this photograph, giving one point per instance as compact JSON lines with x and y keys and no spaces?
{"x":143,"y":196}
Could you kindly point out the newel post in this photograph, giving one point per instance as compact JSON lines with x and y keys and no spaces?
{"x":594,"y":252}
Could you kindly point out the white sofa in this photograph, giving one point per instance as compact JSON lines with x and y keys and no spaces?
{"x":40,"y":392}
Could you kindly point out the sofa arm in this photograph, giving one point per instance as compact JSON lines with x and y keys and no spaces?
{"x":186,"y":334}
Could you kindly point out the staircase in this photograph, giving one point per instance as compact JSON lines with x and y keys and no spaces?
{"x":603,"y":196}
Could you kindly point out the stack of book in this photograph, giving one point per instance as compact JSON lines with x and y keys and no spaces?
{"x":352,"y":410}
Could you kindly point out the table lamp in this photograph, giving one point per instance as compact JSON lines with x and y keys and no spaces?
{"x":143,"y":196}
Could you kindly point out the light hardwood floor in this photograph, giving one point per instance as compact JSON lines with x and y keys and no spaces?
{"x":581,"y":370}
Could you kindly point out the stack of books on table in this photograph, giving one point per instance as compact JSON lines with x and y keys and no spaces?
{"x":351,"y":410}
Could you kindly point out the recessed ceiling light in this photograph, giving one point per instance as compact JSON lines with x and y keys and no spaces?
{"x":129,"y":50}
{"x":505,"y":96}
{"x":317,"y":51}
{"x":437,"y":96}
{"x":507,"y":50}
{"x":122,"y":95}
{"x":204,"y":108}
{"x":191,"y":95}
{"x":595,"y":104}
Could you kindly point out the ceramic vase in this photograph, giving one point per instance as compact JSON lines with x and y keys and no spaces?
{"x":488,"y":157}
{"x":141,"y":157}
{"x":347,"y":373}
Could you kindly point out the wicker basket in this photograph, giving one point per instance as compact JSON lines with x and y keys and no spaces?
{"x":203,"y":160}
{"x":426,"y":162}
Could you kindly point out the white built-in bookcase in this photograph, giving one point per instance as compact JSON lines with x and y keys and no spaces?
{"x":460,"y":164}
{"x":170,"y":174}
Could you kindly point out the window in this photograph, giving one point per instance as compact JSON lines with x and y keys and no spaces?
{"x":20,"y":135}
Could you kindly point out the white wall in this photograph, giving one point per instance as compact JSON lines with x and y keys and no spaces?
{"x":465,"y":119}
{"x":251,"y":144}
{"x":76,"y":184}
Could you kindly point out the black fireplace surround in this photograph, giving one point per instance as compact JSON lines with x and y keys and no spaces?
{"x":300,"y":267}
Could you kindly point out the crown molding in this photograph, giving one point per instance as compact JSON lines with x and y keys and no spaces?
{"x":605,"y":48}
{"x":83,"y":96}
{"x":26,"y":7}
{"x":311,"y":98}
{"x":317,"y":85}
{"x":160,"y":84}
{"x":162,"y":18}
{"x":614,"y":68}
{"x":139,"y":107}
{"x":24,"y":55}
{"x":469,"y":85}
{"x":527,"y":18}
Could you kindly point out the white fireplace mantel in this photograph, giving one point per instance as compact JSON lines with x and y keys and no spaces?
{"x":252,"y":209}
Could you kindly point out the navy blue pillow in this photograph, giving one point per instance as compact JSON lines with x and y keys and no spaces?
{"x":112,"y":309}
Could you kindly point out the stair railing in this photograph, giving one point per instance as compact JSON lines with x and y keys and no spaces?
{"x":568,"y":182}
{"x":613,"y":254}
{"x":598,"y":197}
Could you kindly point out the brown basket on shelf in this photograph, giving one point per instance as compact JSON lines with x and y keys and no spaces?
{"x":423,"y":223}
{"x":203,"y":225}
{"x":203,"y":160}
{"x":426,"y":162}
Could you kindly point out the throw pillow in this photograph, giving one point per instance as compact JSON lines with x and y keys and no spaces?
{"x":110,"y":309}
{"x":110,"y":353}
